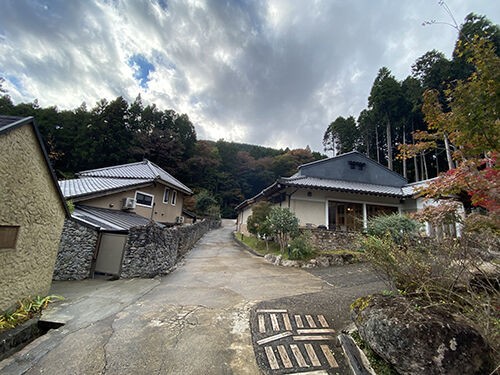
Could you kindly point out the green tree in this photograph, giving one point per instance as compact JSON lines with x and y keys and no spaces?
{"x":257,"y":222}
{"x":284,"y":225}
{"x":386,"y":100}
{"x":473,"y":126}
{"x":342,"y":135}
{"x":206,"y":204}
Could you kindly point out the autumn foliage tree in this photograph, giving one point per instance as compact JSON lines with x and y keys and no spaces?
{"x":472,"y":126}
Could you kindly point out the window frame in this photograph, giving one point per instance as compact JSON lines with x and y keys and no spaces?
{"x":166,"y":193}
{"x":145,"y":194}
{"x":9,"y":234}
{"x":174,"y":198}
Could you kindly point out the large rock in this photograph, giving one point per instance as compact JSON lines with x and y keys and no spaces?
{"x":420,"y":340}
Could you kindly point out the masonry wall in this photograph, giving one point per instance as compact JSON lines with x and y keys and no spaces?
{"x":152,"y":251}
{"x":325,"y":240}
{"x":29,"y":200}
{"x":149,"y":251}
{"x":76,"y":250}
{"x":190,"y":234}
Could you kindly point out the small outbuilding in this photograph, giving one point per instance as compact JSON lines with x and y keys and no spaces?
{"x":32,"y":212}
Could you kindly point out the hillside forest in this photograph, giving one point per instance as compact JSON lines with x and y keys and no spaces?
{"x":390,"y":130}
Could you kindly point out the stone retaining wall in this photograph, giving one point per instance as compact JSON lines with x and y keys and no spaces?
{"x":325,"y":240}
{"x":76,"y":250}
{"x":149,"y":251}
{"x":190,"y":234}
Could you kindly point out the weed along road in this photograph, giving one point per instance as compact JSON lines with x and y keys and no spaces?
{"x":222,"y":311}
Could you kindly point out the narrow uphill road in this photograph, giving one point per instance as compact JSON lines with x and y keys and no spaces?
{"x":195,"y":320}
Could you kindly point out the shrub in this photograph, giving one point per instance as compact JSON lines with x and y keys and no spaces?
{"x":450,"y":273}
{"x":396,"y":226}
{"x":283,"y":225}
{"x":300,"y":247}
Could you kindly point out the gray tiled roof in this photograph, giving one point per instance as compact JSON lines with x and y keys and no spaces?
{"x":141,"y":170}
{"x":112,"y":220}
{"x":412,"y":189}
{"x":78,"y":187}
{"x":340,"y":185}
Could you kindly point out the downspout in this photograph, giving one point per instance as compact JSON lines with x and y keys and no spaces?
{"x":290,"y":196}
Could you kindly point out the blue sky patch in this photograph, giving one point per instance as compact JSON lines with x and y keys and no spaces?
{"x":163,"y":4}
{"x":142,"y":69}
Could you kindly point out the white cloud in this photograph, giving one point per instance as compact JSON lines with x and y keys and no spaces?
{"x":269,"y":72}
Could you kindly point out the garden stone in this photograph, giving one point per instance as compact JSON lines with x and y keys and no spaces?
{"x":420,"y":340}
{"x":323,"y":261}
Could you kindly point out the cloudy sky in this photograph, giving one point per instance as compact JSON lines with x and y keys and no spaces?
{"x":273,"y":73}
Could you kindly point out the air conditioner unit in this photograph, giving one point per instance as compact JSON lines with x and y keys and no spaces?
{"x":128,"y":203}
{"x":179,"y":219}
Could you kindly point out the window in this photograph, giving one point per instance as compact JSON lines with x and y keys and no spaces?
{"x":8,"y":236}
{"x":165,"y":195}
{"x":144,"y":199}
{"x":345,"y":216}
{"x":174,"y":197}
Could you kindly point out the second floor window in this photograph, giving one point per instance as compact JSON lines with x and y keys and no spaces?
{"x":174,"y":197}
{"x":144,"y":199}
{"x":165,"y":195}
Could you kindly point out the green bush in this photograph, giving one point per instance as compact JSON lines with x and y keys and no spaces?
{"x":283,"y":225}
{"x":257,"y":223}
{"x":447,"y":273}
{"x":300,"y":247}
{"x":396,"y":226}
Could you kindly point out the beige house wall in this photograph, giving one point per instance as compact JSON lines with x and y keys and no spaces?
{"x":308,"y":212}
{"x":162,"y":212}
{"x":243,"y":216}
{"x":312,"y":210}
{"x":28,"y":199}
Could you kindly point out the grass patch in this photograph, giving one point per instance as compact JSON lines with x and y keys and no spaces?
{"x":25,"y":310}
{"x":258,"y":245}
{"x":380,"y":366}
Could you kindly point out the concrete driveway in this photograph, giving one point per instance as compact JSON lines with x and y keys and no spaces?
{"x":196,"y":320}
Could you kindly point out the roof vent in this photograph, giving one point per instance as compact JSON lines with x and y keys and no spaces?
{"x":357,"y":165}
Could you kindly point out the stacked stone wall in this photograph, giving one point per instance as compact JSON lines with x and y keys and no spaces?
{"x":149,"y":250}
{"x":325,"y":240}
{"x":76,"y":250}
{"x":190,"y":234}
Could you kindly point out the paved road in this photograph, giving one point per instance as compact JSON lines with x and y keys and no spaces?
{"x":192,"y":321}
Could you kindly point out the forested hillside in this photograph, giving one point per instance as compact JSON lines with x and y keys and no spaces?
{"x":119,"y":132}
{"x":392,"y":129}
